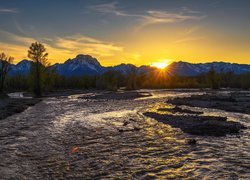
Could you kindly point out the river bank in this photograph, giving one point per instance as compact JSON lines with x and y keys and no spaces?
{"x":232,"y":101}
{"x":18,"y":102}
{"x":10,"y":106}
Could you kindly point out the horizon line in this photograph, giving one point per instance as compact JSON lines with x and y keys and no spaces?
{"x":171,"y":62}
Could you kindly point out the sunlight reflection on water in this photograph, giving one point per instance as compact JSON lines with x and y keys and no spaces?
{"x":43,"y":145}
{"x":92,"y":120}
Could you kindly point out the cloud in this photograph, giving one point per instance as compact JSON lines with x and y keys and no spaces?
{"x":216,"y":3}
{"x":105,"y":8}
{"x":79,"y":44}
{"x":7,"y":10}
{"x":150,"y":16}
{"x":155,"y":17}
{"x":15,"y":39}
{"x":59,"y":48}
{"x":188,"y":39}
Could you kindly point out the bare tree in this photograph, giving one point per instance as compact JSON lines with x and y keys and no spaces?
{"x":5,"y":65}
{"x":37,"y":53}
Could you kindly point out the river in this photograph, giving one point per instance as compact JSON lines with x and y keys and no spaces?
{"x":70,"y":137}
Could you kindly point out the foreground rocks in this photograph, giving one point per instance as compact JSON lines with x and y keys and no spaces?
{"x":10,"y":106}
{"x":199,"y":125}
{"x":177,"y":109}
{"x":232,"y":102}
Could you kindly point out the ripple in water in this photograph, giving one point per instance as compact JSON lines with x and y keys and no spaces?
{"x":77,"y":138}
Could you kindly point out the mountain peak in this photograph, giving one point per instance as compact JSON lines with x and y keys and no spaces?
{"x":24,"y":61}
{"x":84,"y":56}
{"x":85,"y":59}
{"x":23,"y":67}
{"x":80,"y":65}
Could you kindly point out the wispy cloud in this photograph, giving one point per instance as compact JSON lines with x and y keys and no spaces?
{"x":154,"y":17}
{"x":8,"y":10}
{"x":216,"y":3}
{"x":59,"y":48}
{"x":80,"y":43}
{"x":188,"y":39}
{"x":105,"y":8}
{"x":150,"y":16}
{"x":191,"y":30}
{"x":15,"y":39}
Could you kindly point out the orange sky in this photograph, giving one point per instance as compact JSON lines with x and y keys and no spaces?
{"x":129,"y":32}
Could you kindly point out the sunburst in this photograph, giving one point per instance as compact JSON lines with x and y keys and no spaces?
{"x":161,"y":64}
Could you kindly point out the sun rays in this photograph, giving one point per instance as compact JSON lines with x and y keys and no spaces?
{"x":161,"y":64}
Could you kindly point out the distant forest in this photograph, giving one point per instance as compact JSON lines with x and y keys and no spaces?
{"x":42,"y":79}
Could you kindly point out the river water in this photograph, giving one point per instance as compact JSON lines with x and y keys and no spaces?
{"x":70,"y":137}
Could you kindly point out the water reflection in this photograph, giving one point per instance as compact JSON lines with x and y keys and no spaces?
{"x":71,"y":138}
{"x":16,"y":95}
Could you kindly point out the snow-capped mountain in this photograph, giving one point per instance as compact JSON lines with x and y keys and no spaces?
{"x":189,"y":69}
{"x":88,"y":65}
{"x":80,"y":65}
{"x":124,"y":69}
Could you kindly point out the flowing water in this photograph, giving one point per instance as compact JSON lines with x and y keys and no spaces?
{"x":71,"y":137}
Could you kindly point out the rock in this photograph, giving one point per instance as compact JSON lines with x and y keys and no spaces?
{"x":199,"y":125}
{"x":127,"y":130}
{"x":120,"y":130}
{"x":232,"y":102}
{"x":125,"y":123}
{"x":177,"y":109}
{"x":132,"y":120}
{"x":215,"y":128}
{"x":137,"y":129}
{"x":191,"y":141}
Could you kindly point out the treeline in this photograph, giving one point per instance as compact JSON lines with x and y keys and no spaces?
{"x":44,"y":79}
{"x":114,"y":80}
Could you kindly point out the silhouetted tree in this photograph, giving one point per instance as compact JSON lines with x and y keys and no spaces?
{"x":214,"y":78}
{"x":18,"y":82}
{"x":38,"y":54}
{"x":132,"y":79}
{"x":108,"y":80}
{"x":244,"y":80}
{"x":5,"y":64}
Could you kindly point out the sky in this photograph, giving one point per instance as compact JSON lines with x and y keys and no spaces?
{"x":140,"y":32}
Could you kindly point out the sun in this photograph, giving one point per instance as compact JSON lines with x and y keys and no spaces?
{"x":160,"y":65}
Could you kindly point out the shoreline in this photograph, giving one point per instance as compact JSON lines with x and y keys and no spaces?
{"x":235,"y":101}
{"x":11,"y":106}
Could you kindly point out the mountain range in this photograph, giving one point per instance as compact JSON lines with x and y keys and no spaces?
{"x":88,"y":65}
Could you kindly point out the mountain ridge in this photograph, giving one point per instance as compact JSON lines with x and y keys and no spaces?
{"x":88,"y":65}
